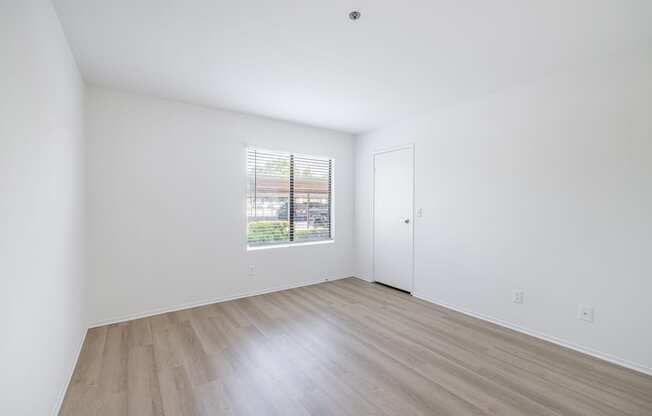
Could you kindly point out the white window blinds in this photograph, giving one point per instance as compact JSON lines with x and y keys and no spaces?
{"x":289,"y":198}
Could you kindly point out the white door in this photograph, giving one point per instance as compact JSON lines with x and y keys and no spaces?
{"x":393,"y":207}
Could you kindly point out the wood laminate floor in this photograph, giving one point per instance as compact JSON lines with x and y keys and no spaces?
{"x":339,"y":348}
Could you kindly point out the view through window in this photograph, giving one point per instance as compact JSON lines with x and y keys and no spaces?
{"x":289,"y":198}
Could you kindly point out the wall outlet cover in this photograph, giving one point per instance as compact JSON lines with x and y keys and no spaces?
{"x":585,"y":313}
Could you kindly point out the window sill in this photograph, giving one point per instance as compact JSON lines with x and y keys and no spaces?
{"x":273,"y":246}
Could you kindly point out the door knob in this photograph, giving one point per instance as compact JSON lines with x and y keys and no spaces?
{"x":407,"y":220}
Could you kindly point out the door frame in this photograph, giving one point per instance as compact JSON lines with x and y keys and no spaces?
{"x":407,"y":146}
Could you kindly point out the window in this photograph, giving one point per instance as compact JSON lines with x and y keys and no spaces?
{"x":289,"y":198}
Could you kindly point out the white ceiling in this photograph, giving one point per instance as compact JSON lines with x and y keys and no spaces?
{"x":305,"y":61}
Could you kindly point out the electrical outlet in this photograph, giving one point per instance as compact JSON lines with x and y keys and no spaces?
{"x":251,"y":270}
{"x":518,"y":296}
{"x":420,"y":212}
{"x":585,"y":313}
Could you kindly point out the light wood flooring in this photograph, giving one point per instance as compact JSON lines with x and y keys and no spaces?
{"x":339,"y":348}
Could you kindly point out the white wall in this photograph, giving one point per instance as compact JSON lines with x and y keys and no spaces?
{"x":166,"y":200}
{"x":545,"y":188}
{"x":41,"y":284}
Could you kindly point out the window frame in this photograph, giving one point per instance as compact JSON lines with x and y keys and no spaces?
{"x":332,"y":198}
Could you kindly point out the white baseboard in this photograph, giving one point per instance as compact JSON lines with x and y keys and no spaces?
{"x":365,"y":279}
{"x":64,"y":389}
{"x":158,"y":311}
{"x":588,"y":351}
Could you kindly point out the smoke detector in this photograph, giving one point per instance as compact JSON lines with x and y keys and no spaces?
{"x":354,"y":15}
